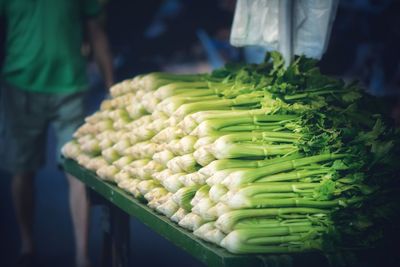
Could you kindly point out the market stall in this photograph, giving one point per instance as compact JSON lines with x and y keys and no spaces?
{"x":279,"y":161}
{"x":250,"y":165}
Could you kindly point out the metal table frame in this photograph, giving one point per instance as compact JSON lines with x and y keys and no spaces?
{"x":121,"y":205}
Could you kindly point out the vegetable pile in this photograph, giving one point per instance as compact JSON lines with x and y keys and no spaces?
{"x":253,"y":158}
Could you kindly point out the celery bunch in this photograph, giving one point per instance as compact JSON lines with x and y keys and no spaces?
{"x":254,"y":158}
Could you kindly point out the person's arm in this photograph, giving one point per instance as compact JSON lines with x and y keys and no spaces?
{"x":101,"y":50}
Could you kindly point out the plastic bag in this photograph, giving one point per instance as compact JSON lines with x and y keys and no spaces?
{"x":256,"y":22}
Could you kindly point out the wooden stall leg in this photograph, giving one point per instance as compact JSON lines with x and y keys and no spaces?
{"x":120,"y":237}
{"x":106,"y":246}
{"x":106,"y":240}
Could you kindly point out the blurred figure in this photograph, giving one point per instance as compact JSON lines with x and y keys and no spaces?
{"x":43,"y":83}
{"x":194,"y":36}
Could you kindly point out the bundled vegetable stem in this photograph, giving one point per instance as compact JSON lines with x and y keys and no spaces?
{"x":254,"y":158}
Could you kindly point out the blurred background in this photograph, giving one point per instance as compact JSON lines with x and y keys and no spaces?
{"x":188,"y":36}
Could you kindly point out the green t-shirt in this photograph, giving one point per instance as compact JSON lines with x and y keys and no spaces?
{"x":43,"y":44}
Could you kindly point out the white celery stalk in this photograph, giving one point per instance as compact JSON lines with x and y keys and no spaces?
{"x":203,"y":156}
{"x":163,"y":157}
{"x":172,"y":183}
{"x":217,"y":191}
{"x":191,"y":221}
{"x":168,"y":208}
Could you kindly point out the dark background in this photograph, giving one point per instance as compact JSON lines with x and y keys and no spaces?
{"x":161,"y":35}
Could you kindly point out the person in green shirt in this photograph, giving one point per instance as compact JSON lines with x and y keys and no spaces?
{"x":43,"y":83}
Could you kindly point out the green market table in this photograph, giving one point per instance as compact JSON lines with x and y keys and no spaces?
{"x":122,"y":205}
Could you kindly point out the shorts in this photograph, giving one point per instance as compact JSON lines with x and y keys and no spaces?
{"x":24,"y":119}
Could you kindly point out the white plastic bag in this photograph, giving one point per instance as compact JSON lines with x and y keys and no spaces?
{"x":256,"y":22}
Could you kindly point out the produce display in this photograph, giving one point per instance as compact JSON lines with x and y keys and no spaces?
{"x":253,"y":158}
